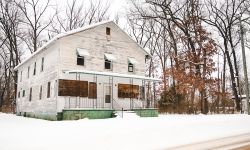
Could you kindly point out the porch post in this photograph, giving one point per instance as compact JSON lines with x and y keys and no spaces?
{"x":76,"y":94}
{"x":112,"y":92}
{"x":145,"y":95}
{"x":95,"y":101}
{"x":142,"y":94}
{"x":154,"y":94}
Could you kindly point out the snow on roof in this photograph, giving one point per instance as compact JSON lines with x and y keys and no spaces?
{"x":110,"y":74}
{"x":61,"y":35}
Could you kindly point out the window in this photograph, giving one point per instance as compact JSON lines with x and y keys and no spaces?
{"x":21,"y":74}
{"x":130,"y":67}
{"x":107,"y":31}
{"x":28,"y":73}
{"x":19,"y":94}
{"x":23,"y":93}
{"x":40,"y":93}
{"x":108,"y":60}
{"x":131,"y":64}
{"x":107,"y":94}
{"x":42,"y":64}
{"x":107,"y":64}
{"x":34,"y":72}
{"x":128,"y":91}
{"x":48,"y":90}
{"x":92,"y":90}
{"x":73,"y":88}
{"x":30,"y":97}
{"x":80,"y":60}
{"x":81,"y":53}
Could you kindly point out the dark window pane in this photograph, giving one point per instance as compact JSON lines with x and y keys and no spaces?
{"x":42,"y":64}
{"x":40,"y":93}
{"x":130,"y":67}
{"x":107,"y":98}
{"x":48,"y":90}
{"x":107,"y":64}
{"x":107,"y":30}
{"x":34,"y":72}
{"x":30,"y":97}
{"x":28,"y":74}
{"x":80,"y":60}
{"x":23,"y":93}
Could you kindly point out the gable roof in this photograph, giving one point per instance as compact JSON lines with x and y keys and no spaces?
{"x":61,"y":35}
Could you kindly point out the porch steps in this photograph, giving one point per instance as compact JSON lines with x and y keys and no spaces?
{"x":125,"y":114}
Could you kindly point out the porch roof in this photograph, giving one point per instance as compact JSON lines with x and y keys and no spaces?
{"x":110,"y":74}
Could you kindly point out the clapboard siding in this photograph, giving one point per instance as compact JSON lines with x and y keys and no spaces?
{"x":49,"y":74}
{"x":94,"y":40}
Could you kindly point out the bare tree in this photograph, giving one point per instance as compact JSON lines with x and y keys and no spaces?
{"x":33,"y":11}
{"x":77,"y":14}
{"x":224,"y":17}
{"x":9,"y":51}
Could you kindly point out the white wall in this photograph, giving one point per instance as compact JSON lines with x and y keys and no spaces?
{"x":76,"y":102}
{"x":50,"y":74}
{"x":94,"y":40}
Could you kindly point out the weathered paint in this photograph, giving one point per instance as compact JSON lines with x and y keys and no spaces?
{"x":147,"y":112}
{"x":75,"y":114}
{"x":45,"y":116}
{"x":61,"y":55}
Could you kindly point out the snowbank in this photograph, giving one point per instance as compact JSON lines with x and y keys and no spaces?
{"x":19,"y":133}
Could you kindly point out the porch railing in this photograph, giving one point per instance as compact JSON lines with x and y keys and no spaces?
{"x":119,"y":109}
{"x":120,"y":105}
{"x":77,"y":102}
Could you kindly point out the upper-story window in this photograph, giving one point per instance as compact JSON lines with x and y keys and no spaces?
{"x":108,"y":31}
{"x":80,"y":60}
{"x":131,"y":64}
{"x":108,"y":64}
{"x":23,"y":93}
{"x":42,"y":64}
{"x":21,"y":76}
{"x":34,"y":71}
{"x":81,"y":54}
{"x":28,"y":72}
{"x":130,"y":67}
{"x":108,"y":61}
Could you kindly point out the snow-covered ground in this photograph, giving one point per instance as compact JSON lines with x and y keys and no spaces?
{"x":130,"y":132}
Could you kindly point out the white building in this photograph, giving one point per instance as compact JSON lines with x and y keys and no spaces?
{"x":87,"y":72}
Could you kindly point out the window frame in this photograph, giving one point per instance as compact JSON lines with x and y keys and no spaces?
{"x":82,"y":58}
{"x":28,"y":72}
{"x":48,"y":89}
{"x":21,"y":76}
{"x":129,"y":66}
{"x":106,"y":61}
{"x":30,"y":95}
{"x":23,"y":93}
{"x":34,"y":71}
{"x":40,"y":92}
{"x":108,"y":31}
{"x":42,"y":64}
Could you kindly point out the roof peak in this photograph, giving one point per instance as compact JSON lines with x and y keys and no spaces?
{"x":63,"y":34}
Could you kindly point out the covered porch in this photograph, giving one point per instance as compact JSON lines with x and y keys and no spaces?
{"x":82,"y":89}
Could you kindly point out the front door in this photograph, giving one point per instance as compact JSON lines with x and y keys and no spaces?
{"x":107,"y":93}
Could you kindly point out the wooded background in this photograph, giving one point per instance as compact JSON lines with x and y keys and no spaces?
{"x":195,"y":45}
